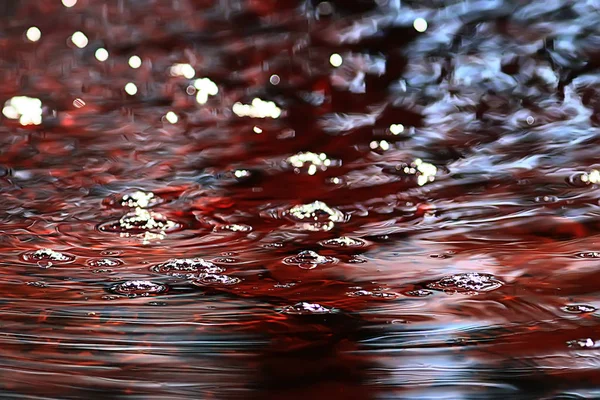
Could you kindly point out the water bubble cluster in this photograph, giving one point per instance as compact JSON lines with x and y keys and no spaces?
{"x":342,"y":241}
{"x":308,"y":259}
{"x":187,"y":268}
{"x":104,"y":262}
{"x":315,"y":216}
{"x":303,"y":308}
{"x":234,"y":228}
{"x":586,"y":343}
{"x":380,"y":294}
{"x":216,"y":279}
{"x":579,"y":309}
{"x":468,"y":283}
{"x":418,"y":293}
{"x":138,"y":288}
{"x":47,"y":257}
{"x":142,"y":222}
{"x":589,"y":254}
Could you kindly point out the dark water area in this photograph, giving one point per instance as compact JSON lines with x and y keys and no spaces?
{"x":260,"y":199}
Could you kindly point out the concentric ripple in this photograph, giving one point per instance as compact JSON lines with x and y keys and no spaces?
{"x":45,"y":258}
{"x":308,"y":259}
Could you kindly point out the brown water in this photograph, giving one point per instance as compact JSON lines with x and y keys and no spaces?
{"x":439,"y":241}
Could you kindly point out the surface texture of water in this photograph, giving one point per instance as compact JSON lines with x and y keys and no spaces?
{"x":244,"y":199}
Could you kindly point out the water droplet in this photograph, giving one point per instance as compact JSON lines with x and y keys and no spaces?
{"x":578,"y":309}
{"x":469,"y":283}
{"x":186,"y":268}
{"x":546,"y":199}
{"x":304,"y":308}
{"x":47,"y":257}
{"x":308,"y":259}
{"x":104,"y":262}
{"x":138,"y":288}
{"x":343,"y":241}
{"x":586,"y":343}
{"x":216,"y":279}
{"x":316,"y":216}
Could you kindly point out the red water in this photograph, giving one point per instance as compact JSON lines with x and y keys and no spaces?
{"x":445,"y":245}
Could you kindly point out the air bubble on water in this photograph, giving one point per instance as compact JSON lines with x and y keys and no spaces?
{"x":588,"y":254}
{"x":186,"y":268}
{"x":357,"y":260}
{"x":47,"y":257}
{"x":233,"y":228}
{"x":110,"y":253}
{"x":138,"y":288}
{"x":418,"y":293}
{"x":374,"y":294}
{"x":226,"y":260}
{"x":546,"y":199}
{"x":586,"y":343}
{"x":582,"y":179}
{"x":216,"y":279}
{"x":139,"y":222}
{"x":315,"y":216}
{"x":578,"y":309}
{"x":284,"y":285}
{"x":468,"y":283}
{"x":342,"y":241}
{"x":304,"y":308}
{"x":308,"y":259}
{"x":104,"y":262}
{"x":101,"y":271}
